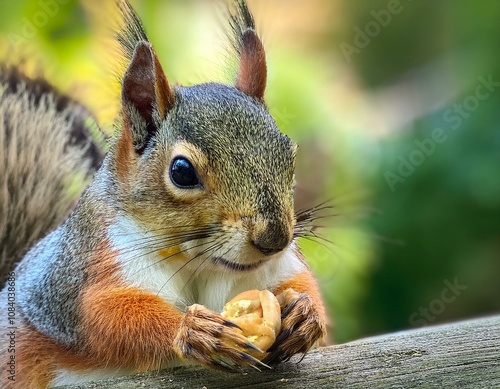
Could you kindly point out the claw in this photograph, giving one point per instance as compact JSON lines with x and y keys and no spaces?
{"x":302,"y":357}
{"x":299,"y":330}
{"x":289,"y":309}
{"x":252,"y":347}
{"x":257,"y":362}
{"x":272,"y":358}
{"x":225,"y":365}
{"x":231,"y":365}
{"x":231,"y":324}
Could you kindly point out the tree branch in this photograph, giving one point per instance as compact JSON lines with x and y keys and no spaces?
{"x":465,"y":354}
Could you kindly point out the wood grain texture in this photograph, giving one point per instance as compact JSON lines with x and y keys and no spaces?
{"x":459,"y":355}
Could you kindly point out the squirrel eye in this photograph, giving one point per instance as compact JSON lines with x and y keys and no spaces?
{"x":183,"y":174}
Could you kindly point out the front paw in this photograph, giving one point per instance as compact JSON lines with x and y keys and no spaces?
{"x":207,"y":338}
{"x":302,"y":326}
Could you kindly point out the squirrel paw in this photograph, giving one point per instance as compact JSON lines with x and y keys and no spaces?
{"x":301,"y":327}
{"x":206,"y":337}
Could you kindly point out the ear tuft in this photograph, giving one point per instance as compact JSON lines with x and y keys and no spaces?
{"x":252,"y":73}
{"x":164,"y":94}
{"x":144,"y":90}
{"x":139,"y":82}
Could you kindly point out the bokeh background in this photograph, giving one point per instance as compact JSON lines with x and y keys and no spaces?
{"x":395,"y":105}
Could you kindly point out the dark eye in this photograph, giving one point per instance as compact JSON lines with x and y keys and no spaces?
{"x":183,"y":174}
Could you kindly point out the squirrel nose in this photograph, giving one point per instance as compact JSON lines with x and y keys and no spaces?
{"x":271,"y":240}
{"x":266,"y":250}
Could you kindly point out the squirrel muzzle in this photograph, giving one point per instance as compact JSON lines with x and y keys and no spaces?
{"x":271,"y":237}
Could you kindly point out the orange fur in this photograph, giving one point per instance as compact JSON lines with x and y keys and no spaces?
{"x":37,"y":357}
{"x":121,"y":325}
{"x":124,"y":151}
{"x":128,"y":327}
{"x":252,"y":74}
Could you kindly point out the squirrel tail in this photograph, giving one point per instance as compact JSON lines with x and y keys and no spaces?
{"x":50,"y":146}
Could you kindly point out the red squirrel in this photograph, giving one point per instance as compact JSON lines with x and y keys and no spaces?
{"x":192,"y":205}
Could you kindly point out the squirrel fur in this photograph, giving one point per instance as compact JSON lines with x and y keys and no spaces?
{"x":192,"y":205}
{"x":46,"y":145}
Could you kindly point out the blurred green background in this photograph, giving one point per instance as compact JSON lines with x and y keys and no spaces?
{"x":395,"y":105}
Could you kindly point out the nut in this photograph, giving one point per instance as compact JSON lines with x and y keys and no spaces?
{"x":258,"y":314}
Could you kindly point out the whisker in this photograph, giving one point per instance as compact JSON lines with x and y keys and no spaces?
{"x":315,"y":207}
{"x":188,"y":262}
{"x":188,"y":228}
{"x":314,"y":218}
{"x":180,"y":238}
{"x":169,"y":256}
{"x":330,"y":246}
{"x":214,"y":264}
{"x":311,"y":239}
{"x":140,"y":252}
{"x":204,"y":263}
{"x":312,"y":234}
{"x":177,"y":240}
{"x":160,"y":243}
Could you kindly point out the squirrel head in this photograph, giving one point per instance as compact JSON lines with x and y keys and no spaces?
{"x":205,"y":165}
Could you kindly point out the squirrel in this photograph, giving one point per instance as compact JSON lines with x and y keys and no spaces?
{"x":191,"y":205}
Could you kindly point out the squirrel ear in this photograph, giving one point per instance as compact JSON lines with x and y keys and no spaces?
{"x":252,"y":73}
{"x":144,"y":89}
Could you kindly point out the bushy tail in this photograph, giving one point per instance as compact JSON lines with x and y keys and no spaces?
{"x":47,"y":155}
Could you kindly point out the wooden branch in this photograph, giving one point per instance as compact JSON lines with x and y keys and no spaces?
{"x":465,"y":354}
